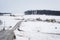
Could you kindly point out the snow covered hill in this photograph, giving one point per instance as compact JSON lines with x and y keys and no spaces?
{"x":33,"y":29}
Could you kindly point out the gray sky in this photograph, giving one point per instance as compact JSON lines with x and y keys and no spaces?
{"x":19,"y":6}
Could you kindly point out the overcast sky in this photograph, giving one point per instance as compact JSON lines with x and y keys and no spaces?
{"x":19,"y":6}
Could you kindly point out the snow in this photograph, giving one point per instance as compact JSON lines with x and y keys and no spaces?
{"x":33,"y":30}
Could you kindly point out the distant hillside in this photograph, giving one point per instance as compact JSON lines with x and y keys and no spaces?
{"x":5,"y":14}
{"x":41,"y":12}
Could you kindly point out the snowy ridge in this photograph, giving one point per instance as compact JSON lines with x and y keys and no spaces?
{"x":34,"y":30}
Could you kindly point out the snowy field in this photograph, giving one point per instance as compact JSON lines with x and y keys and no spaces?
{"x":33,"y":30}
